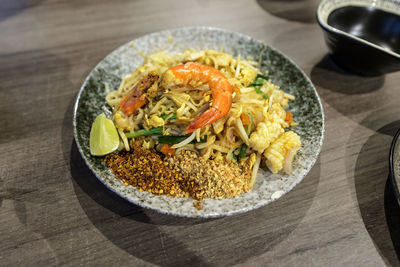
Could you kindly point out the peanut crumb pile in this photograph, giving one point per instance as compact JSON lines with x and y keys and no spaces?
{"x":215,"y":178}
{"x":183,"y":174}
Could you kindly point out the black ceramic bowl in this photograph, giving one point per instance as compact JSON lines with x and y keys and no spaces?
{"x":394,"y":164}
{"x":362,"y":35}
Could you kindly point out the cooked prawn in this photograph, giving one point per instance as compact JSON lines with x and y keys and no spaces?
{"x":194,"y":75}
{"x":135,"y":98}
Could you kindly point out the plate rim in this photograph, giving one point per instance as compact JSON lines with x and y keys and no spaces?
{"x":391,"y":165}
{"x":211,"y":215}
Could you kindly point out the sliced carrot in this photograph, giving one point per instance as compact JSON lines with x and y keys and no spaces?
{"x":289,"y":117}
{"x":245,"y":119}
{"x":235,"y":89}
{"x":167,"y":150}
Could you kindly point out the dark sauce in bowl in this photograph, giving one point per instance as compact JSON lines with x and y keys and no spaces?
{"x":373,"y":25}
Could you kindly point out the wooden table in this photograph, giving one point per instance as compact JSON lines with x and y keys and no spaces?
{"x":53,"y":211}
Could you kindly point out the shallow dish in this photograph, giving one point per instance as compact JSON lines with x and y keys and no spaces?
{"x":361,"y":36}
{"x":306,"y":108}
{"x":394,"y":164}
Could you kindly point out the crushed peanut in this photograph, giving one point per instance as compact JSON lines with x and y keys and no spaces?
{"x":181,"y":175}
{"x":215,"y":178}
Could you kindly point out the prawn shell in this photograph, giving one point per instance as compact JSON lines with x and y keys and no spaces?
{"x":194,"y":74}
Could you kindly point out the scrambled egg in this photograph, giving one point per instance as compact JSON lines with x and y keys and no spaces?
{"x":156,"y":121}
{"x":121,"y":120}
{"x":246,"y":75}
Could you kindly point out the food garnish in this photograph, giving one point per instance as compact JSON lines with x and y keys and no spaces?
{"x":104,"y":137}
{"x":144,"y":132}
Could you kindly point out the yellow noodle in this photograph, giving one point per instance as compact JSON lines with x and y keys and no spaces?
{"x":187,"y":103}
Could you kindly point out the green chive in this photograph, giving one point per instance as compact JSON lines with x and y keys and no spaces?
{"x":258,"y":91}
{"x":169,"y":116}
{"x":175,"y":139}
{"x":262,"y":77}
{"x":144,"y":132}
{"x":234,"y":157}
{"x":243,"y":150}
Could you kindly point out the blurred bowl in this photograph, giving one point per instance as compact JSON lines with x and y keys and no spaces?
{"x":394,"y":164}
{"x":362,"y":35}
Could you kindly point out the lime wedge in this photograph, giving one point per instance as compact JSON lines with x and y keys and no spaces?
{"x":104,"y":137}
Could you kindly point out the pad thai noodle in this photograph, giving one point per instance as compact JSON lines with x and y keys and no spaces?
{"x":208,"y":102}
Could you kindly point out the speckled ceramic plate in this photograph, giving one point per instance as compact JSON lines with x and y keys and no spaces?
{"x":394,"y":164}
{"x":306,"y":108}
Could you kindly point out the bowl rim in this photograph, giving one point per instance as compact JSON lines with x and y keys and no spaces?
{"x":378,"y":4}
{"x":391,"y":165}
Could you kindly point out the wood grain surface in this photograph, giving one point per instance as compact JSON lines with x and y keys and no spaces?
{"x":53,"y":211}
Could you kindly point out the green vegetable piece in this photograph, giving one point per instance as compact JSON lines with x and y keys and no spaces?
{"x":143,"y":132}
{"x":262,"y":77}
{"x":257,"y":83}
{"x":249,"y":127}
{"x":260,"y":80}
{"x":258,"y":91}
{"x":254,"y":84}
{"x":243,"y":150}
{"x":171,"y":139}
{"x":169,"y":116}
{"x":175,"y":139}
{"x":234,"y":157}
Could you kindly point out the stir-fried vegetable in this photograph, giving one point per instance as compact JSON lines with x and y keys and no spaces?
{"x":258,"y":82}
{"x":249,"y":127}
{"x":167,"y":149}
{"x":245,"y":119}
{"x":289,"y":117}
{"x":258,"y":91}
{"x":242,"y":153}
{"x":169,"y":116}
{"x":143,"y":132}
{"x":234,"y":157}
{"x":175,"y":139}
{"x":262,"y":77}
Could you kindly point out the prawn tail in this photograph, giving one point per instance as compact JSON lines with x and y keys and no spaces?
{"x":204,"y":119}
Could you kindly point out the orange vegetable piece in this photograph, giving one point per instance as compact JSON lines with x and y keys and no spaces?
{"x":167,"y":150}
{"x":245,"y":119}
{"x":289,"y":117}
